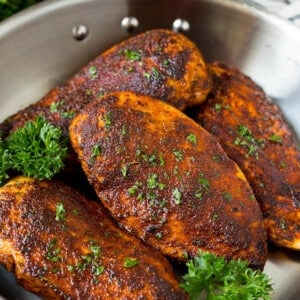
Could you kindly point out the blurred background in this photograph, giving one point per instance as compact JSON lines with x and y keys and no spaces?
{"x":289,"y":9}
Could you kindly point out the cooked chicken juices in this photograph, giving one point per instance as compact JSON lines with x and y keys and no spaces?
{"x":166,"y":180}
{"x":62,"y":246}
{"x":254,"y":134}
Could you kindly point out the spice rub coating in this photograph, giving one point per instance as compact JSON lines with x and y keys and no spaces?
{"x":167,"y":180}
{"x":159,"y":63}
{"x":253,"y":132}
{"x":62,"y":246}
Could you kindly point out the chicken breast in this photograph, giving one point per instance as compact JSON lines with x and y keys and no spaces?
{"x":166,"y":180}
{"x":62,"y":246}
{"x":159,"y":63}
{"x":253,"y":132}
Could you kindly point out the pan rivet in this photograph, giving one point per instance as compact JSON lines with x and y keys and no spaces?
{"x":79,"y":32}
{"x":129,"y":24}
{"x":181,"y":25}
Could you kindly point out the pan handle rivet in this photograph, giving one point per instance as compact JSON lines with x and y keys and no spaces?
{"x":80,"y":32}
{"x":181,"y":25}
{"x":129,"y":23}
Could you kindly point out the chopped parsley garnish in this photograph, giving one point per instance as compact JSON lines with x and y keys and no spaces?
{"x":133,"y":189}
{"x":58,"y":107}
{"x":192,"y":139}
{"x":178,"y":154}
{"x":166,"y":63}
{"x":275,"y":138}
{"x":96,"y":151}
{"x":60,"y":212}
{"x":132,"y":55}
{"x":213,"y":277}
{"x":130,"y":262}
{"x":247,"y":140}
{"x":124,"y":130}
{"x":93,"y":72}
{"x":227,"y":196}
{"x":203,"y":182}
{"x":155,"y":73}
{"x":107,"y":119}
{"x":147,"y":75}
{"x":124,"y":171}
{"x":53,"y":251}
{"x":177,"y":195}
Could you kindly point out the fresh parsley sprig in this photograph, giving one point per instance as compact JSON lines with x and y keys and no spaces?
{"x":211,"y":277}
{"x":36,"y":150}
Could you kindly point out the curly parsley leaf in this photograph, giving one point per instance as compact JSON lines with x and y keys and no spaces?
{"x":9,"y":7}
{"x":5,"y":162}
{"x":212,"y":277}
{"x":37,"y":149}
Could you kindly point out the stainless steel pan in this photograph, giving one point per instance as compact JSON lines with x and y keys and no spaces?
{"x":46,"y":44}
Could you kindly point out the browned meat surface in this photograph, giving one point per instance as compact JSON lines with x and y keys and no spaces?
{"x":167,"y":180}
{"x":158,"y":63}
{"x":253,"y":132}
{"x":62,"y":246}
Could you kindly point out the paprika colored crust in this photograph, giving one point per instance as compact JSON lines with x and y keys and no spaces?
{"x":254,"y":134}
{"x":159,"y":63}
{"x":167,"y":180}
{"x":62,"y":246}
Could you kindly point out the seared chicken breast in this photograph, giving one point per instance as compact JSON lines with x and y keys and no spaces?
{"x":159,"y":63}
{"x":253,"y":133}
{"x":167,"y":180}
{"x":62,"y":246}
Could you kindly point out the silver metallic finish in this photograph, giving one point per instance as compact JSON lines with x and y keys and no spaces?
{"x":130,"y":24}
{"x":79,"y":32}
{"x":38,"y":52}
{"x":181,"y":25}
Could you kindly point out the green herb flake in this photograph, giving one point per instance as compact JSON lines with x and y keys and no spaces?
{"x":204,"y":183}
{"x":93,"y":73}
{"x":147,"y":75}
{"x":71,"y":268}
{"x":68,"y":114}
{"x":158,"y":235}
{"x":96,"y":151}
{"x":247,"y":141}
{"x":124,"y":171}
{"x":130,"y":262}
{"x":198,"y":194}
{"x":54,"y":107}
{"x":133,"y":189}
{"x":227,"y":196}
{"x":218,"y":107}
{"x":166,"y":63}
{"x":192,"y":139}
{"x":155,"y":73}
{"x":60,"y":212}
{"x":282,"y":165}
{"x":107,"y":118}
{"x":97,"y":270}
{"x":75,"y":212}
{"x":132,"y":55}
{"x":178,"y":154}
{"x":124,"y":130}
{"x":152,"y":181}
{"x":53,"y":252}
{"x":275,"y":138}
{"x":283,"y":225}
{"x":251,"y":197}
{"x":177,"y":195}
{"x":217,"y":158}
